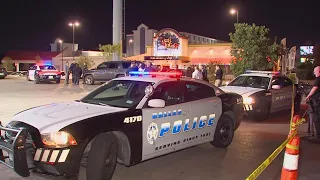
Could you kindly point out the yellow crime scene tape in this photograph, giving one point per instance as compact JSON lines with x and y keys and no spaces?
{"x":276,"y":152}
{"x":269,"y":160}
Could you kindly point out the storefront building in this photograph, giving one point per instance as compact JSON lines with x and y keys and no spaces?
{"x":171,"y":48}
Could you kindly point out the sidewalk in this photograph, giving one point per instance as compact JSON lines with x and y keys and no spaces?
{"x":309,"y":159}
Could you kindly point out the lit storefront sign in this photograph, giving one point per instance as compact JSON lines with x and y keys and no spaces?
{"x":167,"y":43}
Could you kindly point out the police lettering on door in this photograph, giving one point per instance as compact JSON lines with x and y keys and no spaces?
{"x":179,"y":126}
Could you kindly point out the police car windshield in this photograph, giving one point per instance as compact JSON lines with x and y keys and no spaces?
{"x":47,"y":67}
{"x":118,"y":93}
{"x":251,"y":81}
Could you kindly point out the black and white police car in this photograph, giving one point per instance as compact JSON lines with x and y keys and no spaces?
{"x":127,"y":120}
{"x":264,"y":92}
{"x":44,"y":72}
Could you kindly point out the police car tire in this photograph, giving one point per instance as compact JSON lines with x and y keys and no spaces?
{"x":258,"y":116}
{"x":103,"y":146}
{"x":224,"y":121}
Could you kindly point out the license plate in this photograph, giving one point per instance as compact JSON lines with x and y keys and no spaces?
{"x":1,"y":74}
{"x":50,"y":77}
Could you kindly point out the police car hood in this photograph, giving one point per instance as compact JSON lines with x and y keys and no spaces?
{"x":243,"y":91}
{"x":53,"y":117}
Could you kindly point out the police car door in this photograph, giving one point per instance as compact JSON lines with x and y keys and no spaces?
{"x":31,"y":72}
{"x":163,"y":128}
{"x":206,"y":109}
{"x":288,"y":90}
{"x":278,"y":95}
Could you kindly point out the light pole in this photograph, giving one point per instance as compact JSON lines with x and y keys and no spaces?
{"x":130,"y":42}
{"x":234,"y":11}
{"x":75,"y":24}
{"x":61,"y":44}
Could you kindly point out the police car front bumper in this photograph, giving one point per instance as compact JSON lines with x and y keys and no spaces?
{"x":13,"y":151}
{"x":16,"y":154}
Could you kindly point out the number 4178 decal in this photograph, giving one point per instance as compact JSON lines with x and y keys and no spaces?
{"x":133,"y":119}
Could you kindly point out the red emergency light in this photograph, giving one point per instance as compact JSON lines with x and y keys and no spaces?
{"x":153,"y":74}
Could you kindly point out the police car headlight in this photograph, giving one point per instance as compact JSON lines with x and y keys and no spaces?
{"x":58,"y":139}
{"x":248,"y":100}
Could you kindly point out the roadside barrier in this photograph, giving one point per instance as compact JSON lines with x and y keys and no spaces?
{"x":291,"y":156}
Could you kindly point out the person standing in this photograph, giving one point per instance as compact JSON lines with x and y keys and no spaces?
{"x":314,"y":99}
{"x":71,"y":69}
{"x":196,"y":73}
{"x":67,"y":72}
{"x":132,"y":67}
{"x":149,"y":68}
{"x":204,"y":72}
{"x":219,"y":74}
{"x":77,"y":74}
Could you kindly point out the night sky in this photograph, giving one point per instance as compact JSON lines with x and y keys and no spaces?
{"x":33,"y":26}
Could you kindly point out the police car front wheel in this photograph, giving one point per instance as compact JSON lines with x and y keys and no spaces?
{"x":102,"y":158}
{"x":224,"y":132}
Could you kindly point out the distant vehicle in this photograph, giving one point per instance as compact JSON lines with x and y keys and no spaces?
{"x":41,"y":73}
{"x":3,"y":73}
{"x":265,"y":92}
{"x":106,"y":71}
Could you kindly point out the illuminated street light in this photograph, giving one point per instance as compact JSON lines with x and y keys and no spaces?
{"x":73,"y":25}
{"x":61,"y":42}
{"x":130,"y":41}
{"x":234,"y":11}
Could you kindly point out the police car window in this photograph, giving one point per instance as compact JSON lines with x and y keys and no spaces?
{"x":47,"y":67}
{"x":117,"y":93}
{"x":251,"y":81}
{"x":197,"y":91}
{"x":170,"y":92}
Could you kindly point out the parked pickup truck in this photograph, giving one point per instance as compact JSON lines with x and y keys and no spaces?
{"x":106,"y":71}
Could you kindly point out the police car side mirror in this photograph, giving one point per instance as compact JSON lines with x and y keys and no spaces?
{"x":156,"y":103}
{"x":276,"y":87}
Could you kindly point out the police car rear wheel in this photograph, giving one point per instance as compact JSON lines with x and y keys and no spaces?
{"x":102,"y":157}
{"x":224,"y":132}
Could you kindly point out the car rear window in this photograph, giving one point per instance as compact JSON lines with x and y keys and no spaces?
{"x":47,"y":67}
{"x":126,"y":64}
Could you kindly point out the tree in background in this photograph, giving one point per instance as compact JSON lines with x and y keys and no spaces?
{"x":251,"y":48}
{"x":7,"y":63}
{"x":109,"y":49}
{"x":85,"y":60}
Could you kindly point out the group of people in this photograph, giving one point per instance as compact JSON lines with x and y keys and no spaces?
{"x":196,"y":72}
{"x":75,"y":70}
{"x":201,"y":72}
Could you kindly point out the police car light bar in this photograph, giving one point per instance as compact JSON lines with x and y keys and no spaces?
{"x":263,"y":72}
{"x":170,"y":74}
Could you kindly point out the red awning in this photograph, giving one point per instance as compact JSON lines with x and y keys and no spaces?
{"x":207,"y":60}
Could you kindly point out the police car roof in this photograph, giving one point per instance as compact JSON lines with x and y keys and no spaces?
{"x":258,"y":74}
{"x":155,"y":79}
{"x":159,"y":79}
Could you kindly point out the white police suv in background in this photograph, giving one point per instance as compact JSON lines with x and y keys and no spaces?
{"x":264,"y":92}
{"x":126,"y":120}
{"x":46,"y":72}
